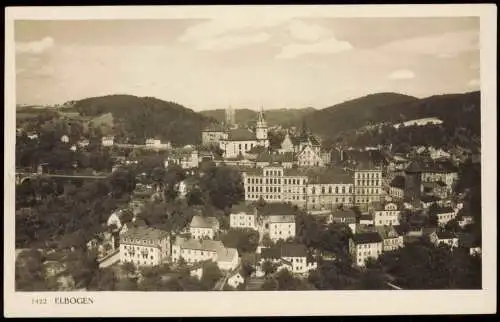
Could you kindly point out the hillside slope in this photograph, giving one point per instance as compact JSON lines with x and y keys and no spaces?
{"x":458,"y":110}
{"x":141,"y":117}
{"x":283,"y":117}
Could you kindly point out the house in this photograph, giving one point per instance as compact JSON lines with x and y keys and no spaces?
{"x":280,"y":227}
{"x":464,"y":218}
{"x":443,"y":215}
{"x":236,"y":278}
{"x":212,"y":135}
{"x":32,"y":135}
{"x":83,"y":143}
{"x":392,"y":240}
{"x":196,"y":270}
{"x":342,"y":216}
{"x":444,"y":238}
{"x":185,"y":186}
{"x":144,"y":246}
{"x":107,"y":141}
{"x":308,"y":157}
{"x":243,"y":216}
{"x":293,"y":257}
{"x":186,"y":158}
{"x":365,"y":245}
{"x":386,"y":214}
{"x":203,"y":227}
{"x":366,"y":219}
{"x":194,"y":250}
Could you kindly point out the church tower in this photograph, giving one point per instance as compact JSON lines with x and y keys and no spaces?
{"x":261,"y":129}
{"x":230,"y":119}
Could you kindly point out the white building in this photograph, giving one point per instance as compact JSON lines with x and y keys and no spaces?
{"x":293,"y":257}
{"x":420,"y":122}
{"x":365,"y":245}
{"x":236,"y":279}
{"x":194,"y":251}
{"x":367,"y":184}
{"x":444,"y":238}
{"x":65,"y":138}
{"x":391,"y":239}
{"x":280,"y":227}
{"x":397,"y":187}
{"x":107,"y":141}
{"x":203,"y":227}
{"x":243,"y":217}
{"x":386,"y":214}
{"x":444,"y":215}
{"x":186,"y":158}
{"x":144,"y":246}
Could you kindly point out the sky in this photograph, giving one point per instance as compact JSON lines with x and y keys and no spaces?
{"x":274,"y":62}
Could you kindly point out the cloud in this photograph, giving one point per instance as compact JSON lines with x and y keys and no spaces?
{"x":327,"y":46}
{"x":231,"y":42}
{"x":442,"y":45}
{"x":35,"y":47}
{"x":230,"y":32}
{"x":307,"y":32}
{"x":402,"y":74}
{"x":474,"y":83}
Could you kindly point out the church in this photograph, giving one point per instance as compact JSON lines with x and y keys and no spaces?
{"x":237,"y":142}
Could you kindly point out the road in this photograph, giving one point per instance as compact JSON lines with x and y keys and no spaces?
{"x":219,"y":286}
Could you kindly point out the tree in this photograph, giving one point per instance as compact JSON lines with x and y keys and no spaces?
{"x":105,"y":280}
{"x":211,"y":274}
{"x":29,"y":272}
{"x":266,"y":240}
{"x":269,"y":284}
{"x":223,"y":185}
{"x":268,"y":268}
{"x":123,"y":182}
{"x":245,"y":240}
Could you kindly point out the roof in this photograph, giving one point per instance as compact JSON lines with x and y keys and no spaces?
{"x":257,"y":149}
{"x":226,"y":254}
{"x":367,"y":238}
{"x":205,"y":244}
{"x":144,"y":233}
{"x":427,"y":199}
{"x":215,"y":128}
{"x":414,"y":167}
{"x":293,"y":250}
{"x":443,"y":210}
{"x":282,"y":219}
{"x":398,"y":182}
{"x":433,"y":184}
{"x":203,"y":222}
{"x":329,"y":175}
{"x":445,"y":235}
{"x":241,"y":135}
{"x":366,"y":217}
{"x":270,"y":253}
{"x":346,"y":213}
{"x":242,"y":207}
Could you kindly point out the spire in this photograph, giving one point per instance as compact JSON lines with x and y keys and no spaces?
{"x":261,"y":115}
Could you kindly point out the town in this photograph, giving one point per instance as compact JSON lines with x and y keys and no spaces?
{"x":236,"y":211}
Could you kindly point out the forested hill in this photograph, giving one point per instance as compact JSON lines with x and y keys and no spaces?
{"x":141,"y":117}
{"x":458,"y":110}
{"x":243,"y":117}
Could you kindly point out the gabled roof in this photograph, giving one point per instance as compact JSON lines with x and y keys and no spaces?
{"x":270,"y":253}
{"x":293,"y":250}
{"x":346,"y":213}
{"x":203,"y":222}
{"x":241,"y":135}
{"x":414,"y":167}
{"x":367,"y":238}
{"x":281,"y":219}
{"x":144,"y":233}
{"x":215,"y":128}
{"x":387,"y":232}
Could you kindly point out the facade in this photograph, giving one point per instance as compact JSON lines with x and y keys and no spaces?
{"x":213,"y":135}
{"x":194,"y":251}
{"x":107,"y":141}
{"x":444,"y":215}
{"x":203,"y":227}
{"x":186,"y":158}
{"x":367,"y":185}
{"x":280,"y":227}
{"x":365,"y":245}
{"x":386,"y":214}
{"x":312,"y":189}
{"x":309,"y":157}
{"x":444,"y":238}
{"x":347,"y":217}
{"x":243,"y":218}
{"x":144,"y":246}
{"x":390,"y":237}
{"x":293,"y":257}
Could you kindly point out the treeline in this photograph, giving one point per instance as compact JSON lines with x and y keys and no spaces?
{"x":138,"y":118}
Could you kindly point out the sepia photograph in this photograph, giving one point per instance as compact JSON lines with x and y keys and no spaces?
{"x":256,"y":151}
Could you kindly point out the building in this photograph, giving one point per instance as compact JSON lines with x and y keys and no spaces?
{"x":107,"y":141}
{"x":436,"y":188}
{"x":443,"y":215}
{"x":280,"y":227}
{"x":308,"y":157}
{"x":203,"y":227}
{"x":238,"y":142}
{"x":386,"y":214}
{"x":236,"y":279}
{"x":144,"y":246}
{"x":420,"y":122}
{"x":397,"y":187}
{"x":194,"y":251}
{"x":329,"y":189}
{"x":65,"y":138}
{"x":391,"y":240}
{"x":155,"y":144}
{"x":367,"y":184}
{"x":365,"y":245}
{"x":186,"y":158}
{"x":293,"y":257}
{"x":343,"y":216}
{"x":212,"y":135}
{"x":366,"y":219}
{"x":243,"y":217}
{"x":438,"y":171}
{"x":186,"y":185}
{"x":444,"y":238}
{"x":413,"y":183}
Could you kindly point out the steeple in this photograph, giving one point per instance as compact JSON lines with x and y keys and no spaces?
{"x":260,"y":118}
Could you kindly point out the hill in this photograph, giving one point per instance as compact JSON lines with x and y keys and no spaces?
{"x":284,"y":117}
{"x":138,"y":118}
{"x":458,"y":110}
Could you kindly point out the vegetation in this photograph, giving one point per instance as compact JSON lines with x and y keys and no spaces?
{"x":245,"y":240}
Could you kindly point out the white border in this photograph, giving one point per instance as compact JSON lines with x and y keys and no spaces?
{"x":133,"y":304}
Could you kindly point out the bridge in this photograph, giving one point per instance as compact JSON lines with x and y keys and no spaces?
{"x":21,"y":177}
